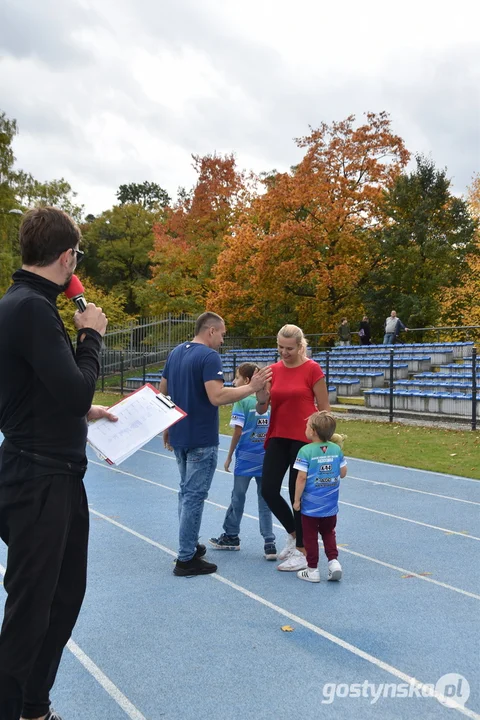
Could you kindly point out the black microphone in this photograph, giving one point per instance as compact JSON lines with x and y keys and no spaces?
{"x":75,"y":292}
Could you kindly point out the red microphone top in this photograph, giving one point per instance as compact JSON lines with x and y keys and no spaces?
{"x":75,"y":288}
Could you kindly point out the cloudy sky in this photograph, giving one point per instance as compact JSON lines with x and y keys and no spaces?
{"x":118,"y":91}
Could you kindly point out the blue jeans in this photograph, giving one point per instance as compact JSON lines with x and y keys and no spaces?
{"x":233,"y":517}
{"x":388,"y":338}
{"x":197,"y":468}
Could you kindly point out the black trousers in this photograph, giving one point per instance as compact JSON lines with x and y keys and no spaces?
{"x":44,"y":521}
{"x":280,"y":456}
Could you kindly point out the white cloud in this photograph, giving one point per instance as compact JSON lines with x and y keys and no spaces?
{"x":106,"y":94}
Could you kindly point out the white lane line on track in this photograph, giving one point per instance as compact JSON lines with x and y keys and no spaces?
{"x":109,"y":687}
{"x":413,"y":574}
{"x":343,"y":502}
{"x":415,"y":522}
{"x":172,"y":457}
{"x":401,"y":570}
{"x":105,"y":682}
{"x":373,"y":482}
{"x":408,"y":489}
{"x":417,"y":470}
{"x":398,"y":467}
{"x":386,"y":667}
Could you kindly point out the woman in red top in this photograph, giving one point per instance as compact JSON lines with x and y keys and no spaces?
{"x":297,"y":384}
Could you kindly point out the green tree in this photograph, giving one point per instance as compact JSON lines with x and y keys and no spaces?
{"x":8,"y":130}
{"x":150,"y":195}
{"x":32,"y":193}
{"x":112,"y":304}
{"x":423,"y":245}
{"x":20,"y":191}
{"x":8,"y":220}
{"x":118,"y":244}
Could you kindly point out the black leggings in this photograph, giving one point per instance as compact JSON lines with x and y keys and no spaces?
{"x":280,"y":455}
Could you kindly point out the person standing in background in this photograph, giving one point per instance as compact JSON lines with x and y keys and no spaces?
{"x":364,"y":332}
{"x":393,"y":328}
{"x":344,"y":334}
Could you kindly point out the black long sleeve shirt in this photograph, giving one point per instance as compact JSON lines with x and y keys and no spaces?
{"x":46,"y":388}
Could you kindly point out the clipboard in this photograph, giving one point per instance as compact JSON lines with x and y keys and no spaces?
{"x":142,"y":415}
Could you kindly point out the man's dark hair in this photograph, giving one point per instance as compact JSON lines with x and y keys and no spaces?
{"x":205,"y":320}
{"x":45,"y":233}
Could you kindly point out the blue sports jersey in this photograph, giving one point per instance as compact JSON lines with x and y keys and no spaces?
{"x":322,"y":463}
{"x":189,"y":366}
{"x":249,"y":452}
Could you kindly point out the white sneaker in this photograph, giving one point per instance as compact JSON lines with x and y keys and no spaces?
{"x":295,"y":561}
{"x":288,"y":549}
{"x":334,"y":570}
{"x":309,"y":574}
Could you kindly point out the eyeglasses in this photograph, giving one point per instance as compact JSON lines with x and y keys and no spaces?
{"x":80,"y":255}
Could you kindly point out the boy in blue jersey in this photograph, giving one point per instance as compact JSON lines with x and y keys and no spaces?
{"x":249,"y":431}
{"x":321,"y":465}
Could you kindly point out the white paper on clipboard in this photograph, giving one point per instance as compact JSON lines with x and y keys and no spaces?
{"x":141,"y":416}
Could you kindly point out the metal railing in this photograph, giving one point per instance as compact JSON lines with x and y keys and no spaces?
{"x":390,"y":386}
{"x":153,"y":337}
{"x":117,"y":366}
{"x":327,"y":340}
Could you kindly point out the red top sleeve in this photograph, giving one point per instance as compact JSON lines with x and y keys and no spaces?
{"x":292,"y":399}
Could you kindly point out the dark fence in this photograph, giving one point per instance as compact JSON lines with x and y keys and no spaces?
{"x":435,"y":416}
{"x":324,"y":341}
{"x":140,"y":365}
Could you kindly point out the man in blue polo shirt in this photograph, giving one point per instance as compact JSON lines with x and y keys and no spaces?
{"x":193,"y":377}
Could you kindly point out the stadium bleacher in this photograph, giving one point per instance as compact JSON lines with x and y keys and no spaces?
{"x":363,"y":372}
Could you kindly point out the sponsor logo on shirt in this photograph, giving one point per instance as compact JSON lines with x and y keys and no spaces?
{"x":257,"y":437}
{"x":322,"y":482}
{"x":325,"y":468}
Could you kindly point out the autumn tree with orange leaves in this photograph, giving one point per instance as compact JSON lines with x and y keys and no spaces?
{"x":187,"y":243}
{"x":301,"y":250}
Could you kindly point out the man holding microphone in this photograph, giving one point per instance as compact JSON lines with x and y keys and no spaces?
{"x":46,"y":393}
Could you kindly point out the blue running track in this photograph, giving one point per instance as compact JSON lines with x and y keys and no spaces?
{"x":152,"y":646}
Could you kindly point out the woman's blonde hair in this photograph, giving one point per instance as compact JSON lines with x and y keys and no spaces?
{"x":293,"y":331}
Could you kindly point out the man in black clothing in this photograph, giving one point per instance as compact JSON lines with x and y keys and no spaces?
{"x":46,"y":393}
